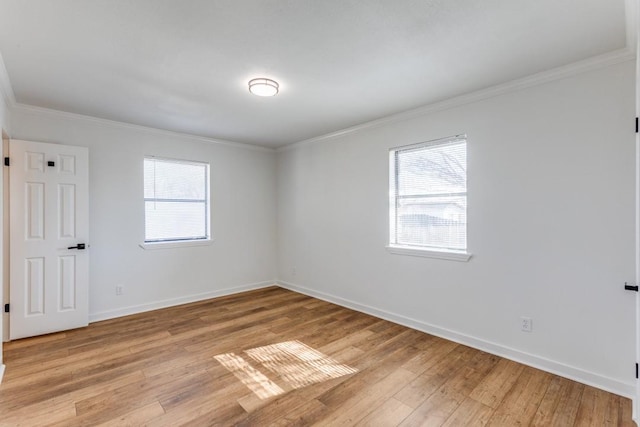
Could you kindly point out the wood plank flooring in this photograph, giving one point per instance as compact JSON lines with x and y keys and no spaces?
{"x":275,"y":357}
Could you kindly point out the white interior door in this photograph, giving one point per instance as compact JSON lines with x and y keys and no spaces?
{"x":636,"y":401}
{"x":49,"y":224}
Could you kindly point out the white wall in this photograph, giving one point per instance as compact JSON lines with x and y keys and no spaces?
{"x":550,"y":226}
{"x":4,"y":114}
{"x":242,"y":214}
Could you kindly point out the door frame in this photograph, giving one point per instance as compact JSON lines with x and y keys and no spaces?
{"x":4,"y":317}
{"x":4,"y":233}
{"x":634,"y":16}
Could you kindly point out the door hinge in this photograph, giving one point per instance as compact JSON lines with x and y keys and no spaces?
{"x":636,"y":370}
{"x":6,"y":308}
{"x":636,"y":125}
{"x":630,"y":287}
{"x":7,"y":161}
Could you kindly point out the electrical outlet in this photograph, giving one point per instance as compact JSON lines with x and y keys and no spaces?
{"x":526,"y":324}
{"x":119,"y":289}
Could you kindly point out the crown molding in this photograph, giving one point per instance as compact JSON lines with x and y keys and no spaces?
{"x":5,"y":85}
{"x":590,"y":64}
{"x":18,"y":107}
{"x":594,"y":63}
{"x":6,"y":90}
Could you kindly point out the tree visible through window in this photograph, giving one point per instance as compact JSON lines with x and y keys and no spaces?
{"x":428,"y":188}
{"x":176,"y":199}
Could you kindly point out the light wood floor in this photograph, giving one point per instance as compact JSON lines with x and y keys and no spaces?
{"x":275,"y":357}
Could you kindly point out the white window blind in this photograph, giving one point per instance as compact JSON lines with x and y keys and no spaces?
{"x":176,"y":198}
{"x":428,"y":195}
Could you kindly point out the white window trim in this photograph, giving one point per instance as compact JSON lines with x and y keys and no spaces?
{"x":429,"y":253}
{"x":176,"y":244}
{"x":168,"y":244}
{"x":426,"y":252}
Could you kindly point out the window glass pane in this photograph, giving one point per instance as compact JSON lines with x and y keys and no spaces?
{"x":439,"y":222}
{"x":149,"y":178}
{"x":176,"y":200}
{"x":439,"y":169}
{"x":175,"y":221}
{"x":165,"y":179}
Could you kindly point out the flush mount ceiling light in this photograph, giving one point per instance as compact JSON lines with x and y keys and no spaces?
{"x":263,"y":87}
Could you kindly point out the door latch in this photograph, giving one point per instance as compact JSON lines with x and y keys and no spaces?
{"x":79,"y":246}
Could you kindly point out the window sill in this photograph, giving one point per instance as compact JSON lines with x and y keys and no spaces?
{"x":430,"y":253}
{"x":170,"y":245}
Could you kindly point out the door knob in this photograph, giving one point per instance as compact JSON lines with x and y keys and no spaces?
{"x":79,"y":246}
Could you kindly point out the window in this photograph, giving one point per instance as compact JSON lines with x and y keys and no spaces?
{"x":176,"y":200}
{"x":428,"y":199}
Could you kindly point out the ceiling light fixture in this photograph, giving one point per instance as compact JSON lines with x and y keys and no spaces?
{"x":263,"y":87}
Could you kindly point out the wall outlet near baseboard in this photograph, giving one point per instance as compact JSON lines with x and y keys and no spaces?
{"x":119,"y":289}
{"x":526,"y":324}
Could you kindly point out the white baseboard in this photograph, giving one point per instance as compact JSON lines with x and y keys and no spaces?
{"x":1,"y":372}
{"x":589,"y":378}
{"x":135,"y":309}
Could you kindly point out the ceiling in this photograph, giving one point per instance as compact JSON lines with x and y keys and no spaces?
{"x":183,"y":65}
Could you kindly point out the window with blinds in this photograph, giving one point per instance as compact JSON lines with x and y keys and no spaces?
{"x":176,"y":200}
{"x":428,"y":195}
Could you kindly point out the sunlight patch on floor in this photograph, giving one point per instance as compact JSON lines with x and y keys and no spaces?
{"x":294,"y":362}
{"x":298,"y":364}
{"x":255,"y":380}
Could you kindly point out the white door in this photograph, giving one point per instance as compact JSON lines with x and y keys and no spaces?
{"x":49,"y":231}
